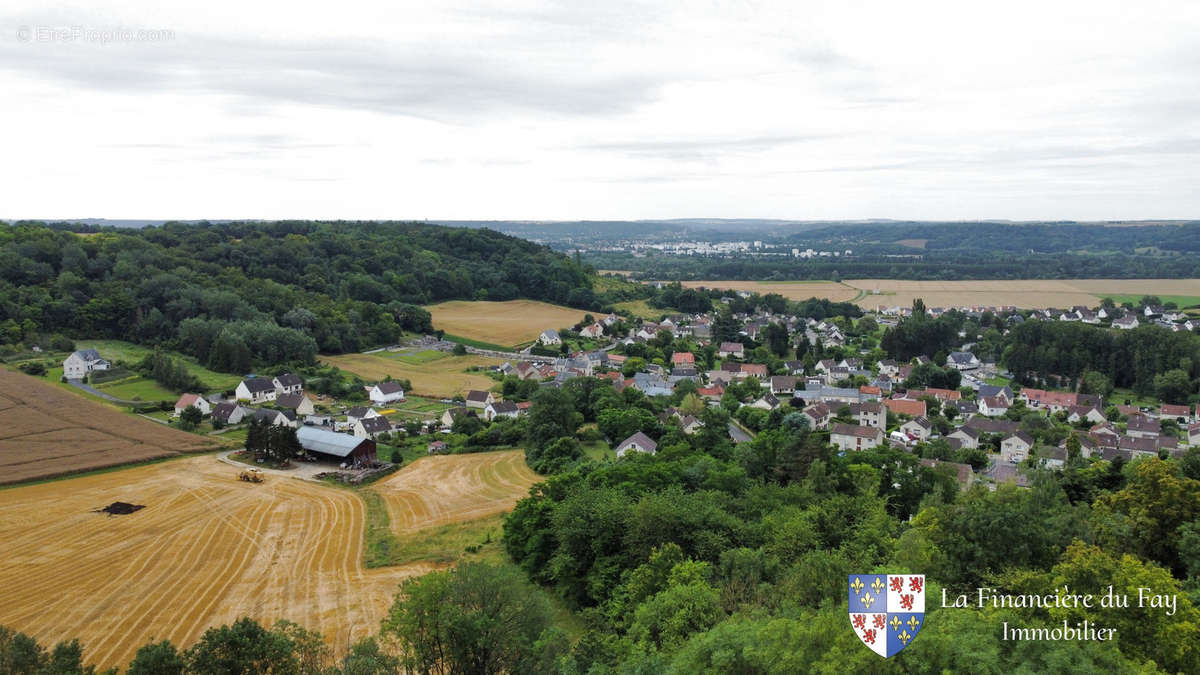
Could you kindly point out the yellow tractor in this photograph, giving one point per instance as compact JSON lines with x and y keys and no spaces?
{"x":251,"y":476}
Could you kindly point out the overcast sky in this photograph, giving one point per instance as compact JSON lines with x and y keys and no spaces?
{"x":473,"y":110}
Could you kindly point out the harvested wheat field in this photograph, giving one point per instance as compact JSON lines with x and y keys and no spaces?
{"x":441,"y":378}
{"x":1025,"y":293}
{"x":446,"y":489}
{"x":204,"y":550}
{"x":792,"y":290}
{"x":45,"y":431}
{"x":502,"y":323}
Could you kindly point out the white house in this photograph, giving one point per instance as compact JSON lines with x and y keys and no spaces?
{"x":735,"y":349}
{"x":501,"y":409}
{"x":993,"y":406}
{"x":371,"y":427}
{"x":358,"y":413}
{"x":962,"y":361}
{"x":479,"y":399}
{"x":386,"y":392}
{"x":298,"y":402}
{"x":228,"y":413}
{"x":80,"y":363}
{"x":256,"y":390}
{"x":918,"y":428}
{"x":870,"y":414}
{"x":593,"y":331}
{"x":1015,"y":447}
{"x":968,"y":436}
{"x":549,"y":337}
{"x":1194,"y":434}
{"x":855,"y":437}
{"x":194,"y":400}
{"x":288,"y":383}
{"x":639,"y":442}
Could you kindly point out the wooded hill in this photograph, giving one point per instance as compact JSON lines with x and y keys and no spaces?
{"x":244,"y":293}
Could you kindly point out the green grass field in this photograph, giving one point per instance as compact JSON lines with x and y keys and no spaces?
{"x":1181,"y":301}
{"x":598,"y":450}
{"x":420,"y":357}
{"x":140,"y":389}
{"x":478,"y":344}
{"x":640,"y":308}
{"x":117,"y":350}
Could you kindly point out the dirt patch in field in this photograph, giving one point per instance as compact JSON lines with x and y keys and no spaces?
{"x":45,"y":431}
{"x":206,"y":550}
{"x":120,"y":508}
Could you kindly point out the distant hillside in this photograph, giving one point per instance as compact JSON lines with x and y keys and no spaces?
{"x":242,"y":293}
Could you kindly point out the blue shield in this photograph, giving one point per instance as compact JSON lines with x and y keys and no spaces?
{"x":886,"y":610}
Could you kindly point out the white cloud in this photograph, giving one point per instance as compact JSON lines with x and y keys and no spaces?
{"x":633,"y":110}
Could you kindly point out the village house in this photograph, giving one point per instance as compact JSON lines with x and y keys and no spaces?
{"x":359,"y":412}
{"x":279,"y":418}
{"x":690,"y":424}
{"x":449,"y":416}
{"x":386,"y":392}
{"x":82,"y":362}
{"x":783,"y":384}
{"x":889,"y":367}
{"x":855,"y":437}
{"x":993,"y":406}
{"x":1141,"y":426}
{"x":372,"y":427}
{"x":1179,"y":413}
{"x":1193,"y":434}
{"x":683,"y":359}
{"x":734,"y":349}
{"x":870,"y":414}
{"x":638,"y":442}
{"x":500,"y":409}
{"x":967,"y":436}
{"x":999,"y":391}
{"x":287,"y":383}
{"x":549,"y":337}
{"x":766,"y":402}
{"x":1015,"y":447}
{"x":256,"y":390}
{"x":962,"y":361}
{"x":818,"y":415}
{"x":228,"y":413}
{"x":479,"y":399}
{"x":593,"y":331}
{"x":919,"y":429}
{"x":436,"y":448}
{"x":195,"y":401}
{"x":297,"y":402}
{"x":903,"y":406}
{"x":1127,"y":322}
{"x":1079,"y":413}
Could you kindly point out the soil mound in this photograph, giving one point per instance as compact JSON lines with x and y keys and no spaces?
{"x":120,"y":508}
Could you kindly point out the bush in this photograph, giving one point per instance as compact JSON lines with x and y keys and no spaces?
{"x":35,"y":368}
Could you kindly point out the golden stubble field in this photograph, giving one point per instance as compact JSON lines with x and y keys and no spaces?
{"x":512,"y":322}
{"x":454,"y":488}
{"x":45,"y":431}
{"x":441,"y":378}
{"x":1024,"y":293}
{"x":208,"y":549}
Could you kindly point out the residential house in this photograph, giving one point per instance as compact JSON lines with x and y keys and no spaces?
{"x":968,"y":436}
{"x":288,"y":383}
{"x":1179,"y":413}
{"x":684,"y":359}
{"x":1002,"y":473}
{"x":501,"y":409}
{"x":638,"y":442}
{"x":904,"y":406}
{"x":757,"y":370}
{"x":734,"y":349}
{"x":1127,"y":322}
{"x":1002,"y":391}
{"x":297,"y":402}
{"x":1142,"y":426}
{"x":962,"y":361}
{"x":437,"y":448}
{"x":965,"y":408}
{"x":448,"y":417}
{"x":889,"y":367}
{"x":993,"y":406}
{"x":1193,"y":434}
{"x":690,"y":424}
{"x":228,"y":413}
{"x":1015,"y":447}
{"x":818,"y":415}
{"x":870,"y":414}
{"x":281,"y":418}
{"x":1091,"y":413}
{"x":256,"y":390}
{"x":783,"y":384}
{"x":386,"y":392}
{"x":549,"y":337}
{"x":593,"y":331}
{"x":1052,"y":458}
{"x":372,"y":427}
{"x":766,"y":402}
{"x":919,"y":428}
{"x":855,"y":437}
{"x":1138,"y":446}
{"x":992,"y":426}
{"x":359,"y":412}
{"x":479,"y":399}
{"x":652,"y":385}
{"x":195,"y":401}
{"x":82,"y":362}
{"x":794,"y":367}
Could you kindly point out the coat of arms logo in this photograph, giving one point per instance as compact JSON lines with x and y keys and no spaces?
{"x":887,"y":610}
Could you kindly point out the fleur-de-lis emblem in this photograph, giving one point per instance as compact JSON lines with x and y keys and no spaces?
{"x":896,"y":623}
{"x":857,"y":585}
{"x":867,"y":598}
{"x":877,"y":585}
{"x":913,"y":623}
{"x":904,"y":637}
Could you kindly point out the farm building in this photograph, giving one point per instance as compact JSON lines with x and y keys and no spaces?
{"x":336,"y":447}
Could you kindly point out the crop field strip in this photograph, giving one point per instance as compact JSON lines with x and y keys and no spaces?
{"x":45,"y":431}
{"x":441,"y":378}
{"x":205,"y":550}
{"x":510,"y":323}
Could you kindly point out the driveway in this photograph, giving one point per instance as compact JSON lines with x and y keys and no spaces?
{"x":78,"y":384}
{"x":301,"y":470}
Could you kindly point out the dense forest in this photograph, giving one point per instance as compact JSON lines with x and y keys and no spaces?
{"x":236,"y":294}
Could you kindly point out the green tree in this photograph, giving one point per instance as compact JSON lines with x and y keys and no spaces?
{"x":243,"y":648}
{"x":158,"y":658}
{"x":190,"y":418}
{"x":1173,"y":386}
{"x":474,"y":618}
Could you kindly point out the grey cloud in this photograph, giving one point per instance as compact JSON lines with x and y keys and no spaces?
{"x":702,"y":148}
